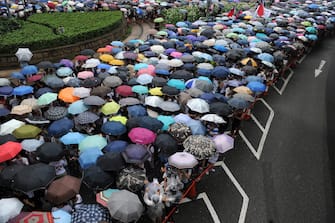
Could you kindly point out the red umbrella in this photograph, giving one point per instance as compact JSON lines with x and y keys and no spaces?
{"x":35,"y":216}
{"x":81,"y":58}
{"x":142,"y":135}
{"x":51,"y":5}
{"x":34,"y":78}
{"x":124,"y":90}
{"x":9,"y":150}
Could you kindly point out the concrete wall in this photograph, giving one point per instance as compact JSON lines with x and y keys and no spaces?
{"x":69,"y":51}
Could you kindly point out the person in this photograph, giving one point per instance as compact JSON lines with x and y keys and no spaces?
{"x":153,"y":198}
{"x":21,"y":160}
{"x":236,"y":122}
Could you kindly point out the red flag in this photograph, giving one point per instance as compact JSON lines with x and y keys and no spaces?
{"x":260,"y":10}
{"x":231,"y":12}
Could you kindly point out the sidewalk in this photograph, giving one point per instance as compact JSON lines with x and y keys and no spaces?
{"x":138,"y":31}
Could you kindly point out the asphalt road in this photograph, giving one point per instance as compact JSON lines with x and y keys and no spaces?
{"x":291,"y":181}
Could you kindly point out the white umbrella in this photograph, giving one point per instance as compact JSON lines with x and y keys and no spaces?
{"x":209,"y":42}
{"x":31,"y":145}
{"x":182,"y":160}
{"x":153,"y":101}
{"x":82,"y":92}
{"x":206,"y":66}
{"x":144,"y":79}
{"x":157,"y":49}
{"x":91,"y":63}
{"x":4,"y":82}
{"x":120,"y":55}
{"x":24,"y":54}
{"x":9,"y":126}
{"x":175,"y":63}
{"x":9,"y":208}
{"x":169,"y":106}
{"x":198,"y":105}
{"x":213,"y":118}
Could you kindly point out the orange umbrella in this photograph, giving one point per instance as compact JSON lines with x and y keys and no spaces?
{"x":103,"y":50}
{"x":66,"y":95}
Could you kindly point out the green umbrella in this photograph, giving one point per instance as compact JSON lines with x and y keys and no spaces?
{"x":232,"y":35}
{"x":110,"y":108}
{"x":26,"y":132}
{"x":162,"y":33}
{"x":139,"y":89}
{"x":159,"y":20}
{"x":94,"y":141}
{"x":47,"y":98}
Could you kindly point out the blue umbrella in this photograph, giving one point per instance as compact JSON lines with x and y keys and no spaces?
{"x":140,"y":66}
{"x":116,"y":146}
{"x":177,"y":83}
{"x":236,"y":71}
{"x":6,"y":90}
{"x":64,"y":71}
{"x":220,"y":48}
{"x":256,"y":86}
{"x":238,"y":103}
{"x":266,"y":56}
{"x":136,"y":111}
{"x":61,"y":216}
{"x":77,"y":107}
{"x":23,"y":90}
{"x":166,"y":120}
{"x":209,"y":97}
{"x":29,"y":70}
{"x":60,"y":127}
{"x":204,"y":72}
{"x":4,"y":112}
{"x":252,"y":78}
{"x":113,"y":128}
{"x":117,"y":43}
{"x":17,"y":75}
{"x":103,"y":66}
{"x":181,"y":24}
{"x":139,"y":89}
{"x":72,"y":138}
{"x":234,"y":83}
{"x":196,"y":127}
{"x":182,"y":118}
{"x":89,"y":157}
{"x":135,"y":153}
{"x":162,"y":72}
{"x":220,"y":72}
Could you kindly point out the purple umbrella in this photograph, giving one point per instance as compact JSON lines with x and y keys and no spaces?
{"x":223,"y":143}
{"x":66,"y":63}
{"x":135,"y":153}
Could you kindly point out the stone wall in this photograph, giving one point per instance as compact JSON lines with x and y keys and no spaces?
{"x":8,"y":61}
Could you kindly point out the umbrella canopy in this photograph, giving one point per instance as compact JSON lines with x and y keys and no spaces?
{"x":223,"y":143}
{"x":9,"y":150}
{"x":9,"y":126}
{"x":150,"y":123}
{"x":116,"y":146}
{"x":34,"y":177}
{"x":24,"y":54}
{"x":89,"y":157}
{"x":77,"y":107}
{"x":26,"y":132}
{"x":94,"y":100}
{"x":135,"y":153}
{"x":166,"y":144}
{"x":90,"y":213}
{"x":180,"y":131}
{"x":103,"y":196}
{"x":47,"y":98}
{"x":81,"y":92}
{"x":131,"y":179}
{"x":141,"y":135}
{"x":23,"y":90}
{"x":169,"y":106}
{"x":200,"y":146}
{"x":110,"y":108}
{"x":63,"y":189}
{"x":55,"y":113}
{"x":96,"y":178}
{"x":112,"y":81}
{"x":114,"y":128}
{"x":35,"y":216}
{"x":50,"y":151}
{"x":153,"y":101}
{"x":129,"y":101}
{"x":72,"y":138}
{"x":9,"y":208}
{"x":238,"y":103}
{"x":60,"y":127}
{"x":111,"y":161}
{"x":220,"y":108}
{"x":182,"y":160}
{"x":66,"y":95}
{"x":125,"y":206}
{"x":198,"y":105}
{"x":86,"y":118}
{"x":213,"y":118}
{"x":93,"y":141}
{"x":61,"y":216}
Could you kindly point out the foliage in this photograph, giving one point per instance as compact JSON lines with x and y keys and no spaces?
{"x":8,"y":25}
{"x":40,"y":31}
{"x":227,"y":6}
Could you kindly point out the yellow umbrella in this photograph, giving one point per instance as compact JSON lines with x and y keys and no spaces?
{"x":249,"y":61}
{"x":21,"y":109}
{"x":116,"y":62}
{"x":106,"y":57}
{"x":119,"y":118}
{"x":242,"y":89}
{"x":247,"y":17}
{"x":140,"y":57}
{"x":157,"y":91}
{"x":110,"y":108}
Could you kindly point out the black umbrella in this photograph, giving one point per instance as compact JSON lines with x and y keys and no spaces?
{"x":50,"y":151}
{"x":45,"y":65}
{"x":235,"y":54}
{"x":101,"y":91}
{"x":172,"y":91}
{"x":133,"y":122}
{"x":220,"y":108}
{"x":55,"y":113}
{"x":34,"y":177}
{"x":166,"y":144}
{"x":111,"y":161}
{"x":87,"y":52}
{"x":249,"y":70}
{"x":159,"y":81}
{"x":182,"y":74}
{"x":150,"y":123}
{"x":94,"y":100}
{"x":8,"y":173}
{"x":96,"y":178}
{"x":6,"y":138}
{"x":91,"y":82}
{"x":209,"y":33}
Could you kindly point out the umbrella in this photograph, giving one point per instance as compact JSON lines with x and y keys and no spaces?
{"x":166,"y":120}
{"x":125,"y":206}
{"x":112,"y":81}
{"x":66,"y":95}
{"x":139,"y":89}
{"x":24,"y":54}
{"x":144,"y":79}
{"x":50,"y":151}
{"x":96,"y":178}
{"x":31,"y":102}
{"x":72,"y":138}
{"x":64,"y":71}
{"x":135,"y":153}
{"x":166,"y":144}
{"x":94,"y":100}
{"x":242,"y":89}
{"x":7,"y":138}
{"x":113,"y":128}
{"x":119,"y":118}
{"x":256,"y":86}
{"x":30,"y":145}
{"x":85,"y":74}
{"x":238,"y":103}
{"x":196,"y":127}
{"x":136,"y":111}
{"x":91,"y":63}
{"x":175,"y":63}
{"x":90,"y":213}
{"x":77,"y":107}
{"x":23,"y":90}
{"x":128,"y":101}
{"x":81,"y":92}
{"x":9,"y":150}
{"x":141,"y":135}
{"x":8,"y":173}
{"x":243,"y":96}
{"x":180,"y":131}
{"x":223,"y":143}
{"x":150,"y":123}
{"x":103,"y":196}
{"x":9,"y":126}
{"x":9,"y":208}
{"x":158,"y":20}
{"x":61,"y":216}
{"x":60,"y":127}
{"x":21,"y":109}
{"x":63,"y":189}
{"x":200,"y":146}
{"x":169,"y":106}
{"x":116,"y":146}
{"x":89,"y":157}
{"x":110,"y":108}
{"x":131,"y":178}
{"x":47,"y":98}
{"x":198,"y":105}
{"x":93,"y":141}
{"x":213,"y":118}
{"x":55,"y":113}
{"x":35,"y":216}
{"x":26,"y":132}
{"x":86,"y":118}
{"x":153,"y":101}
{"x":124,"y":90}
{"x":34,"y":177}
{"x":182,"y":160}
{"x":42,"y":91}
{"x":203,"y":85}
{"x":111,"y":161}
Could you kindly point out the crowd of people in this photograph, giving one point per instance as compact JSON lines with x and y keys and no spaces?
{"x":143,"y":116}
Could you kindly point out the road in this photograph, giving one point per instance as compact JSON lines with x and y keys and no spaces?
{"x":286,"y":176}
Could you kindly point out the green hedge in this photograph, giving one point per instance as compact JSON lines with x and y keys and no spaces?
{"x":40,"y":31}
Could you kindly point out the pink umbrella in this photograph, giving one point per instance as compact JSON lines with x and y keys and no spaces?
{"x":176,"y":54}
{"x":149,"y":70}
{"x":142,"y":136}
{"x":223,"y":143}
{"x":85,"y":74}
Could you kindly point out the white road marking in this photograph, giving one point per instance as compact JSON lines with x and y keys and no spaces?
{"x":304,"y":56}
{"x":209,"y":207}
{"x":280,"y":91}
{"x":265,"y":130}
{"x":318,"y":71}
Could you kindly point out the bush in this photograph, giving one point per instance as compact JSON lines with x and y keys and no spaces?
{"x":8,"y":25}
